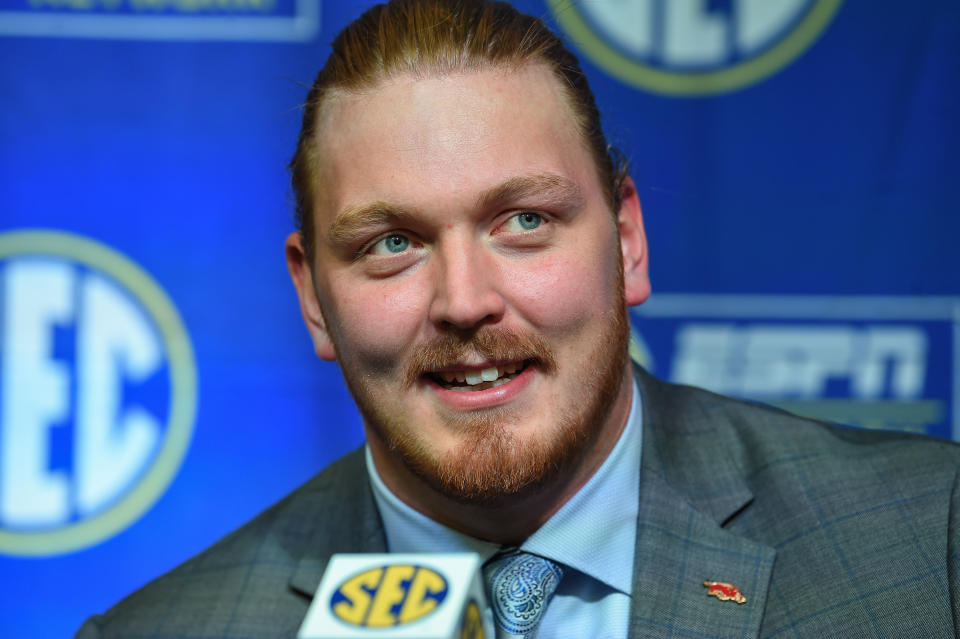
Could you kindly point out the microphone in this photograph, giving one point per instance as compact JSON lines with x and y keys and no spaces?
{"x":424,"y":595}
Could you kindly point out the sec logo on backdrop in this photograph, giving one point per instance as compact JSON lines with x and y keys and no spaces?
{"x":693,"y":47}
{"x":97,"y":392}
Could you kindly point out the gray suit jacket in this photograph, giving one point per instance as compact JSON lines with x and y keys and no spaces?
{"x":828,"y":532}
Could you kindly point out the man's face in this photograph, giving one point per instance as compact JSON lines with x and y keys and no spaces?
{"x":469,"y":276}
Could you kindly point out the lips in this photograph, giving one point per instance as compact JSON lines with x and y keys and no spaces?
{"x":463,"y":397}
{"x":474,"y":379}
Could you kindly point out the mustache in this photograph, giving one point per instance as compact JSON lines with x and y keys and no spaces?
{"x":493,"y":344}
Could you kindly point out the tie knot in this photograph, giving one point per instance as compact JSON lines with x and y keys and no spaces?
{"x":520,"y":586}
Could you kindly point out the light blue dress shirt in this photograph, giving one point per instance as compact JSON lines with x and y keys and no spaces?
{"x":592,"y":536}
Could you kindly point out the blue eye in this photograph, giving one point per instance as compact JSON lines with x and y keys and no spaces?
{"x":528,"y":221}
{"x":391,"y":244}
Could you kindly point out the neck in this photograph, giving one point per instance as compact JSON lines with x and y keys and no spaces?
{"x":510,"y":520}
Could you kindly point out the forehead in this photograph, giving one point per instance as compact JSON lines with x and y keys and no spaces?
{"x":440,"y":139}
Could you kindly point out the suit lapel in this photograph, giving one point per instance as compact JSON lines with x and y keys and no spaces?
{"x":691,"y":489}
{"x":678,"y":548}
{"x":344,"y":520}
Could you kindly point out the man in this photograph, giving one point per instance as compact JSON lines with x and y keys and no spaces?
{"x":467,"y":251}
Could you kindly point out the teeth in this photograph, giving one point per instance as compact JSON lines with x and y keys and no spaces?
{"x":495,"y":374}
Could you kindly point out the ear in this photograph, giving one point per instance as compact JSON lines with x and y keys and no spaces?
{"x":633,"y":243}
{"x":302,"y":276}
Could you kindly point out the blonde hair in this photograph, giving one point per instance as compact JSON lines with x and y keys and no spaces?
{"x":420,"y":37}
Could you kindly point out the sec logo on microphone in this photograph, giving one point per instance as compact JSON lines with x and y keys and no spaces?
{"x":389,"y":595}
{"x":97,"y":392}
{"x":472,"y":626}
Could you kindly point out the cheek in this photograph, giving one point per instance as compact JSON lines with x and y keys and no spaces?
{"x":375,"y":323}
{"x":564,"y":293}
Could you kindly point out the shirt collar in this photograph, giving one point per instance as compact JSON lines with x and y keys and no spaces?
{"x":594,"y":532}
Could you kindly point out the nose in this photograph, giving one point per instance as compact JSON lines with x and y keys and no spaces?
{"x":466,"y":287}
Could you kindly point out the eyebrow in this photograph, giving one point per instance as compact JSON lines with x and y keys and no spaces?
{"x":352,"y":223}
{"x":554,"y":189}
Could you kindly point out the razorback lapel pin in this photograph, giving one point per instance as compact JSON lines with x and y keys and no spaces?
{"x":724,"y":591}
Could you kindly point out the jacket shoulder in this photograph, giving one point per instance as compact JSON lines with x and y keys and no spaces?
{"x":865,"y":524}
{"x":763,"y":437}
{"x":240,"y":585}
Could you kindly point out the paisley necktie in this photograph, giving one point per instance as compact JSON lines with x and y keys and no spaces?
{"x":520,"y":586}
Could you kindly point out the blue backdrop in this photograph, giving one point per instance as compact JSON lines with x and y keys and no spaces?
{"x":797,"y":162}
